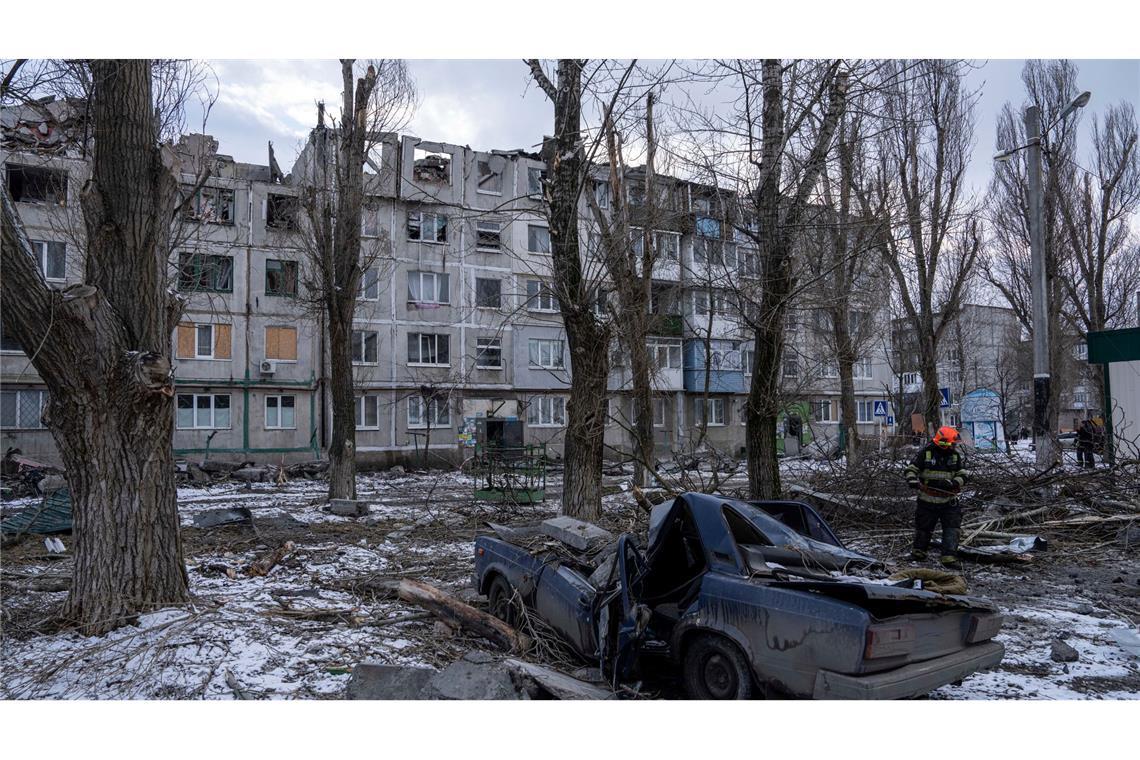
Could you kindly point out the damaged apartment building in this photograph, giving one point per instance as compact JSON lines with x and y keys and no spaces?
{"x":455,"y":317}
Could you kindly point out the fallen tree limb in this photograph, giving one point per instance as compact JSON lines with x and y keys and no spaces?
{"x":459,"y":615}
{"x":265,"y":563}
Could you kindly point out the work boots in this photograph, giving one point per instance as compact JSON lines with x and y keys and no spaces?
{"x":950,"y":546}
{"x":921,"y":541}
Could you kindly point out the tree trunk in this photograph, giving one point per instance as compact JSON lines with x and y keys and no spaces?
{"x":342,"y":444}
{"x":642,"y":405}
{"x":106,"y":362}
{"x":588,"y":338}
{"x":585,"y":436}
{"x":778,"y":235}
{"x":932,"y":398}
{"x":848,"y":416}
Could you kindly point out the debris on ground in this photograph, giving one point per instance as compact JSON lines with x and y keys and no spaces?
{"x":300,"y":631}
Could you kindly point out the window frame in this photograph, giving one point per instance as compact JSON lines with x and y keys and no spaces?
{"x":43,"y":256}
{"x":198,"y":264}
{"x":420,"y":349}
{"x":498,"y":293}
{"x":480,"y":351}
{"x":194,"y":208}
{"x":549,"y":344}
{"x":17,"y":422}
{"x":362,"y":411}
{"x":702,"y":407}
{"x":542,"y":292}
{"x":542,"y":408}
{"x":199,"y":328}
{"x":530,"y":228}
{"x":421,"y":225}
{"x":287,"y":264}
{"x":436,"y":279}
{"x":661,"y":404}
{"x":363,"y":362}
{"x":279,"y":399}
{"x":498,"y":232}
{"x":363,"y":295}
{"x":658,"y":345}
{"x":433,"y":408}
{"x":213,"y":409}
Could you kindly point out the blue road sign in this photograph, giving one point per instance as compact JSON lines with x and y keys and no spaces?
{"x":945,"y":397}
{"x":880,"y":408}
{"x":890,"y":419}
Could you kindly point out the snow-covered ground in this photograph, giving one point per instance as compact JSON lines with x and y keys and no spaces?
{"x":296,"y":633}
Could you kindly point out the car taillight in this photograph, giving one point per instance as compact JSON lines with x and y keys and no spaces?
{"x":983,"y":627}
{"x":889,"y":641}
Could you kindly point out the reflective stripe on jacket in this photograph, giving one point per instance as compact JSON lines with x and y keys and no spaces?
{"x":934,"y":464}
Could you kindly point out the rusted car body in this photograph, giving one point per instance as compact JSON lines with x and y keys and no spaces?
{"x":741,"y":598}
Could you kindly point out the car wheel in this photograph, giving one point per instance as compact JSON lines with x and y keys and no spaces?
{"x":715,"y":669}
{"x":501,"y":598}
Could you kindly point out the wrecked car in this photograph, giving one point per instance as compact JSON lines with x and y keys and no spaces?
{"x":736,"y":599}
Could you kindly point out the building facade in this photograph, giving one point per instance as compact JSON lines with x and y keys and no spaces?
{"x":455,"y":319}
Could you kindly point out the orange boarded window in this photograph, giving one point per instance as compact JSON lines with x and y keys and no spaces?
{"x":281,"y":343}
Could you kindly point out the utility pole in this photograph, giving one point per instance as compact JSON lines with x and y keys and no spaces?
{"x":1041,"y":374}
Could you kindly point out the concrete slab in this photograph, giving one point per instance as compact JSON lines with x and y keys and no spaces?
{"x":580,"y":535}
{"x":373,"y":681}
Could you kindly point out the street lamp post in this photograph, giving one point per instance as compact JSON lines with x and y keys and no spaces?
{"x":1039,"y":284}
{"x":1041,"y":374}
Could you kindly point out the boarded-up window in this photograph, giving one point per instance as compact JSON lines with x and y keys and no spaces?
{"x":187,"y":341}
{"x":281,"y":343}
{"x":221,"y":341}
{"x":203,"y":341}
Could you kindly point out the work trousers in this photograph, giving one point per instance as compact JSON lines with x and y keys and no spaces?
{"x":1085,"y":456}
{"x":927,"y":516}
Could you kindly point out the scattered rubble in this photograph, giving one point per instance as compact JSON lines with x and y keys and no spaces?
{"x":1059,"y":651}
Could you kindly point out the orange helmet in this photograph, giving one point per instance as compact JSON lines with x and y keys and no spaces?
{"x":946,"y":437}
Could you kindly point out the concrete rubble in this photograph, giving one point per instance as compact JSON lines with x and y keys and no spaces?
{"x":477,"y":675}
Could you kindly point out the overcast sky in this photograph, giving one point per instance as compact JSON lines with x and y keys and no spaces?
{"x":489,"y":104}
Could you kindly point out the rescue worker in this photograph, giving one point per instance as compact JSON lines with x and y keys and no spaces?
{"x":938,"y":472}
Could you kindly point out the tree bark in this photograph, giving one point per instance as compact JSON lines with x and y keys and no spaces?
{"x":588,"y":338}
{"x":334,"y":243}
{"x":780,"y":219}
{"x":105,"y":359}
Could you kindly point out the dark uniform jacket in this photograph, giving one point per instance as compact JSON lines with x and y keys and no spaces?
{"x":940,"y":474}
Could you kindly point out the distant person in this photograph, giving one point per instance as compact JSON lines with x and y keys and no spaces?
{"x":938,"y":472}
{"x":1086,"y":443}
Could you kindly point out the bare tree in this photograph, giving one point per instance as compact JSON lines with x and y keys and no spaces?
{"x":933,"y":240}
{"x":1102,"y":273}
{"x":103,"y":351}
{"x":332,"y":196}
{"x":1051,"y":86}
{"x":587,"y":334}
{"x":781,"y":166}
{"x":842,"y":261}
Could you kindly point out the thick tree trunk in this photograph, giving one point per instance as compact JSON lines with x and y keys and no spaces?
{"x":587,"y":337}
{"x":780,"y":219}
{"x":585,"y":437}
{"x":342,"y":444}
{"x":106,"y":362}
{"x":932,"y":399}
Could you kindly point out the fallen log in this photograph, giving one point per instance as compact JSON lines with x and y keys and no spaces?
{"x":265,"y":563}
{"x":459,"y":615}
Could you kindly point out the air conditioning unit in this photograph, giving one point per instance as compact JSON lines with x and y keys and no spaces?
{"x":268,"y":367}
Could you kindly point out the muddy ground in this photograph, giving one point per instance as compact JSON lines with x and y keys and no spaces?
{"x":296,"y":633}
